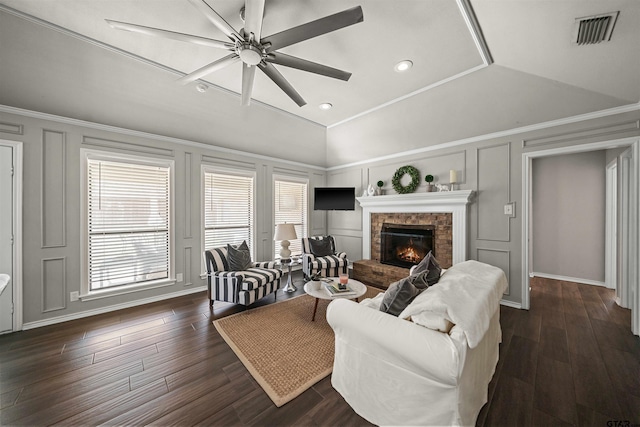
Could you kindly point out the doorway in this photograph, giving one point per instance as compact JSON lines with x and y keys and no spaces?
{"x":628,"y":174}
{"x":11,"y":235}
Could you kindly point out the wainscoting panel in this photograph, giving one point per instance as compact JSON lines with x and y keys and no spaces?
{"x":318,"y":218}
{"x":188,"y":172}
{"x":53,"y":200}
{"x":11,"y":128}
{"x":127,"y":146}
{"x":54,"y":284}
{"x":498,"y":258}
{"x":186,"y":266}
{"x":616,"y":130}
{"x":494,"y":190}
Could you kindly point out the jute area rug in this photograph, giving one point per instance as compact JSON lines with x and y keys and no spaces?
{"x":281,"y":347}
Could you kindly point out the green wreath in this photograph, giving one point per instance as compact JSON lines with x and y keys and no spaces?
{"x":397,"y":177}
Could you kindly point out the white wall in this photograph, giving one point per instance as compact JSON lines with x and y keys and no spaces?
{"x":568,"y":204}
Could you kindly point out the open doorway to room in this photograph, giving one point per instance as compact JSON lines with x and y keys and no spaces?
{"x":10,"y":236}
{"x":575,"y":266}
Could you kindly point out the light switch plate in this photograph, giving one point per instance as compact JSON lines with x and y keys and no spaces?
{"x":509,"y":209}
{"x":179,"y":277}
{"x":74,"y":296}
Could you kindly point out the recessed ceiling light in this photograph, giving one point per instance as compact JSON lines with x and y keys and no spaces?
{"x":403,"y":66}
{"x":202,"y":88}
{"x":325,"y":106}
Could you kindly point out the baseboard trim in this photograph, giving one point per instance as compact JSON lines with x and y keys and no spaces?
{"x":569,"y":279}
{"x":511,"y":304}
{"x":88,"y":313}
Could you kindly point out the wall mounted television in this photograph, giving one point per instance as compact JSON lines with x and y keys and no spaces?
{"x":334,"y":199}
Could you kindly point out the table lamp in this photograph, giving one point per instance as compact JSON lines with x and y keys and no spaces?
{"x":284,"y":233}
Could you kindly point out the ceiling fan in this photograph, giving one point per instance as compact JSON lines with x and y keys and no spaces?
{"x":254,"y":51}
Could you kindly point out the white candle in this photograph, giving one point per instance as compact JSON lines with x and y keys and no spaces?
{"x":453,"y":177}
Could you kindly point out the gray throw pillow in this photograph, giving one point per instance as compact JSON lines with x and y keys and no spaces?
{"x":322,"y":247}
{"x":239,"y":257}
{"x":430,"y":265}
{"x":401,"y":293}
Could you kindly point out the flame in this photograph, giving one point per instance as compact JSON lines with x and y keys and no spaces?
{"x":410,"y":253}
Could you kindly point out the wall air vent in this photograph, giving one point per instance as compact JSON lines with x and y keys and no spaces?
{"x":594,"y":29}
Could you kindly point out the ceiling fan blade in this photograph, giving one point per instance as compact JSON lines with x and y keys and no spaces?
{"x":253,"y":14}
{"x":314,"y":28}
{"x":209,"y":68}
{"x":248,"y":74}
{"x":216,"y":19}
{"x":150,"y":31}
{"x":304,"y":65}
{"x":278,"y":79}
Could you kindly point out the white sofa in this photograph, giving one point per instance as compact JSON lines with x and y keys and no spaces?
{"x":403,"y":370}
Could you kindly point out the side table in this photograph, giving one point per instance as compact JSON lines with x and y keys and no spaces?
{"x":289,"y":287}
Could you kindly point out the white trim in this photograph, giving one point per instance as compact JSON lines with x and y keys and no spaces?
{"x":447,"y":201}
{"x":496,"y":135}
{"x":569,"y":279}
{"x":16,"y":277}
{"x":527,"y":159}
{"x":93,"y":312}
{"x":611,"y":226}
{"x":511,"y":304}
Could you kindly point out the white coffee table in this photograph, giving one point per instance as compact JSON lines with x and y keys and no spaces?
{"x":322,"y":293}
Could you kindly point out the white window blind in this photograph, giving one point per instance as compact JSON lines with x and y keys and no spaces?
{"x":128,"y":219}
{"x":291,"y":207}
{"x":228,"y":210}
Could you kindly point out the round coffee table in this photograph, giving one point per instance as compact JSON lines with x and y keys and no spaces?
{"x":321,"y":292}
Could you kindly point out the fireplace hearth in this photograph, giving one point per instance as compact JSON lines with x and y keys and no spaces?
{"x":405,"y":245}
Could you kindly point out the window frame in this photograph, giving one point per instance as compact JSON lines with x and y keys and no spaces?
{"x":86,"y":294}
{"x":306,"y":228}
{"x":247,"y":173}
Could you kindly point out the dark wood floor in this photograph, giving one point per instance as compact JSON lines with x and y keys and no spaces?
{"x":570,"y":360}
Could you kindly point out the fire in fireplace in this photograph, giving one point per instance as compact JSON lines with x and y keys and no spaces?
{"x":405,"y":245}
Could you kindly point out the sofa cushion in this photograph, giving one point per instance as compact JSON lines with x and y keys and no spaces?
{"x":434,"y":321}
{"x":431,"y":266}
{"x":401,"y":293}
{"x":239,"y":257}
{"x":321,"y":247}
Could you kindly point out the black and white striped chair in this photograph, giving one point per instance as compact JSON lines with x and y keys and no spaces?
{"x":329,"y":265}
{"x":239,"y":287}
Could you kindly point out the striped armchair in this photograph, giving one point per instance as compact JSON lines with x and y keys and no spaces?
{"x":239,"y":287}
{"x":327,"y":266}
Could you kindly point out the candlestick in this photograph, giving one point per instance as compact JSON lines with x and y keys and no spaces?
{"x":453,"y":176}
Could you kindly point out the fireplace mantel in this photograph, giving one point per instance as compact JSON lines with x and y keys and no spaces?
{"x":446,"y":201}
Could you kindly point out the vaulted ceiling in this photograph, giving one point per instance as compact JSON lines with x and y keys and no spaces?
{"x":527,"y":41}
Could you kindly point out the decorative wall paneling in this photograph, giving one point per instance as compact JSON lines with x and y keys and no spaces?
{"x":612,"y":131}
{"x":318,"y":219}
{"x":53,"y":283}
{"x":346,"y":226}
{"x":187,"y":258}
{"x":53,"y":169}
{"x":188,"y":194}
{"x":126,"y":146}
{"x":15,"y":129}
{"x":226,"y":163}
{"x":500,"y":258}
{"x":493,"y":185}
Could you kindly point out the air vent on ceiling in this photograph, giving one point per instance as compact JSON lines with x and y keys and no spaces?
{"x":594,"y":29}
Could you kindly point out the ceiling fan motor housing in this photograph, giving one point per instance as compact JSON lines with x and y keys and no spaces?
{"x":249,"y":54}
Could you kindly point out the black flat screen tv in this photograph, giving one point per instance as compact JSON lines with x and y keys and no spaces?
{"x":334,"y":199}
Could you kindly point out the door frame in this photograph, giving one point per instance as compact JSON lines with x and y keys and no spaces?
{"x":16,"y":275}
{"x":611,"y":226}
{"x":527,"y":161}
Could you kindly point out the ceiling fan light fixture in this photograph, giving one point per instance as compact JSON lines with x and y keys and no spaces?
{"x":403,"y":66}
{"x":249,"y":54}
{"x":325,"y":106}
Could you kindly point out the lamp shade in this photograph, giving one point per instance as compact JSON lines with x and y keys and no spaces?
{"x":285,"y":232}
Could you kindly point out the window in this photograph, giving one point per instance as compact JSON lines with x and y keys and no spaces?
{"x":128,"y":221}
{"x":291,"y":206}
{"x":228,"y":209}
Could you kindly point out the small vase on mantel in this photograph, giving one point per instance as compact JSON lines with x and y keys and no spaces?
{"x":429,"y":179}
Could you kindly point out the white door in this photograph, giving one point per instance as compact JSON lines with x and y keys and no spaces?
{"x":6,"y":236}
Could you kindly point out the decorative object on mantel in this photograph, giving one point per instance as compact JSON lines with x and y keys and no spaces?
{"x":371,"y":191}
{"x":429,"y":179}
{"x":365,"y":193}
{"x":442,"y":187}
{"x":401,"y":172}
{"x":453,"y":178}
{"x":379,"y":189}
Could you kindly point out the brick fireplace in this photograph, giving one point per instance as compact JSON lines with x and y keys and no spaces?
{"x":447,"y":211}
